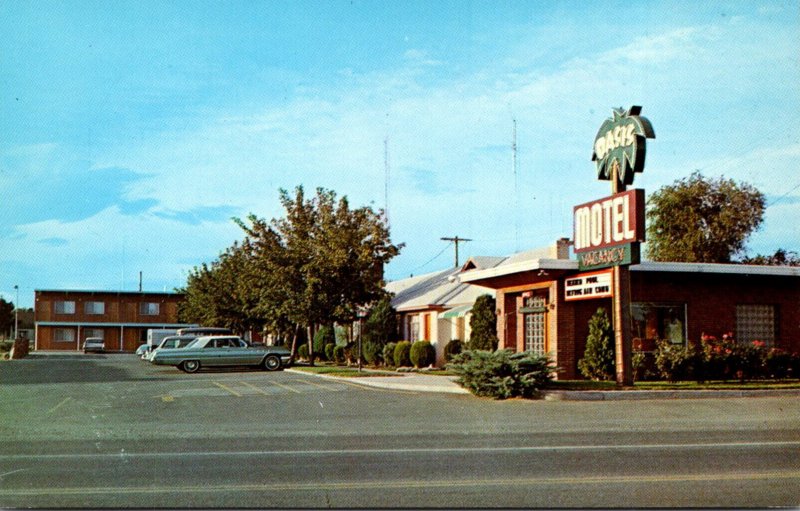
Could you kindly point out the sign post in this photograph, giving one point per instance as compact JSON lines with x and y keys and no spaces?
{"x":608,"y":231}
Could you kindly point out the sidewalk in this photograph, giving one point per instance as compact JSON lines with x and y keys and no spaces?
{"x":415,"y":382}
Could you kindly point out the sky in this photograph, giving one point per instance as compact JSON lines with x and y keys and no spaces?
{"x":132,"y":132}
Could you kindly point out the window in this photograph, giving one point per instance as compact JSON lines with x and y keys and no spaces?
{"x":535,"y":331}
{"x":94,"y":332}
{"x":755,"y":323}
{"x":65,"y":307}
{"x":657,"y":321}
{"x":64,"y":335}
{"x":94,"y":307}
{"x":148,"y":309}
{"x":413,"y":328}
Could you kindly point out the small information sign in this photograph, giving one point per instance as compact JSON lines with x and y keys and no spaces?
{"x":587,"y":286}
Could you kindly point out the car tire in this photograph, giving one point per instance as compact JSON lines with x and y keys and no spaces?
{"x":190,"y":366}
{"x":272,"y":363}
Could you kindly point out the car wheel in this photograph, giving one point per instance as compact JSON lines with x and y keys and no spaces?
{"x":190,"y":366}
{"x":272,"y":363}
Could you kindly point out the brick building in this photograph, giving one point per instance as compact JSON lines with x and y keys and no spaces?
{"x":63,"y":319}
{"x":674,"y":301}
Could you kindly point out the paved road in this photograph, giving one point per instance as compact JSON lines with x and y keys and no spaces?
{"x":111,"y":431}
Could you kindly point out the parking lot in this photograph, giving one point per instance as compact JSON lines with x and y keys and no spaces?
{"x":110,"y":430}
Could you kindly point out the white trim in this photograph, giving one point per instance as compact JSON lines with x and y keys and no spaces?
{"x":520,"y":267}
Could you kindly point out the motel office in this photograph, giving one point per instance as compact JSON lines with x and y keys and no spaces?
{"x":673,"y":301}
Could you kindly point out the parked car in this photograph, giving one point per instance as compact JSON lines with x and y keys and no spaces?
{"x":141,"y":350}
{"x":222,"y":350}
{"x":95,"y":344}
{"x":171,"y":342}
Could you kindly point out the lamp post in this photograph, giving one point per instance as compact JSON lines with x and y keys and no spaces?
{"x":16,"y":314}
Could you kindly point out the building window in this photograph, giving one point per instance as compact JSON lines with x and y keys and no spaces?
{"x":65,"y":307}
{"x":148,"y":309}
{"x":413,"y":328}
{"x":657,"y":321}
{"x":534,"y":311}
{"x":755,"y":323}
{"x":94,"y":332}
{"x":64,"y":335}
{"x":94,"y":307}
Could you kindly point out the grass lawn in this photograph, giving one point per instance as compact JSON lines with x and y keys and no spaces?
{"x":346,"y":372}
{"x":684,"y":385}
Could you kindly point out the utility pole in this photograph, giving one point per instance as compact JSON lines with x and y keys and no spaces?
{"x":16,"y":315}
{"x":456,"y":240}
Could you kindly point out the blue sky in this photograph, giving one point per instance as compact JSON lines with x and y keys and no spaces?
{"x":131,"y":132}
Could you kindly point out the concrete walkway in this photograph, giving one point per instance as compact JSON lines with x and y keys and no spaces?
{"x":415,"y":382}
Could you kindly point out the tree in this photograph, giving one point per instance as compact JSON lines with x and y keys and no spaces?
{"x":598,"y":358}
{"x":380,"y":326}
{"x":6,"y":316}
{"x":483,"y":325}
{"x":702,"y":220}
{"x":781,"y":257}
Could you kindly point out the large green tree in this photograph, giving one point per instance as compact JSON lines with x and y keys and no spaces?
{"x":703,"y":220}
{"x":316,"y":265}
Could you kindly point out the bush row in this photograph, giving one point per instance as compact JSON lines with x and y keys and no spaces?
{"x":724,"y":359}
{"x":400,"y":354}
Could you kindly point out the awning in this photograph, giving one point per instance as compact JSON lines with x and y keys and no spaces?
{"x":457,"y":312}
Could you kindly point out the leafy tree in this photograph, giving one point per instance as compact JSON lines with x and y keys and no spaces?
{"x":781,"y":257}
{"x":598,"y":359}
{"x":483,"y":325}
{"x":702,"y":220}
{"x":381,"y":324}
{"x":6,"y":316}
{"x":316,"y":265}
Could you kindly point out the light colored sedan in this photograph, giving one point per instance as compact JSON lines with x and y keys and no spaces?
{"x":220,"y":351}
{"x":96,"y":344}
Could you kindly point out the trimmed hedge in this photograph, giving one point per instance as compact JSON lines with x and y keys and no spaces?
{"x":388,"y":353}
{"x":422,"y":354}
{"x":402,"y":354}
{"x":339,"y":354}
{"x":373,"y":352}
{"x":502,"y":374}
{"x":452,"y":348}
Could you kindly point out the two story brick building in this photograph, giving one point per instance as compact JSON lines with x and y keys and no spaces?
{"x":63,"y":319}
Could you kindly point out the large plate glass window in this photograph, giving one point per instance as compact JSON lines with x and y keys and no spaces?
{"x":657,"y":321}
{"x":64,"y":335}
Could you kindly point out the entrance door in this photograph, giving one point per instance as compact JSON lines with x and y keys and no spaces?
{"x":535,"y":333}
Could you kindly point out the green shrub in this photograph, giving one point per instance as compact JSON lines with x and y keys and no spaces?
{"x":483,"y":324}
{"x":422,"y":354}
{"x":502,"y":374}
{"x":302,"y":352}
{"x":678,"y":362}
{"x":323,"y":337}
{"x":402,"y":354}
{"x":388,"y":353}
{"x":329,"y":352}
{"x":452,"y":348}
{"x":338,"y":354}
{"x":598,"y":358}
{"x":373,"y":352}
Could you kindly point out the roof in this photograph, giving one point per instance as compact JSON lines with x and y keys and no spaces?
{"x":107,"y":292}
{"x":441,"y":290}
{"x":514,"y":265}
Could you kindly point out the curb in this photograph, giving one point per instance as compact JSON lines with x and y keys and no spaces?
{"x":636,"y":395}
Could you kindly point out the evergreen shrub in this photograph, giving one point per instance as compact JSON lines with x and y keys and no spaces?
{"x":323,"y":337}
{"x":452,"y":348}
{"x":402,"y":354}
{"x":598,"y":358}
{"x":388,"y":353}
{"x":502,"y":374}
{"x":302,"y":352}
{"x":422,"y":354}
{"x":373,"y":352}
{"x":329,"y":352}
{"x":338,"y":354}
